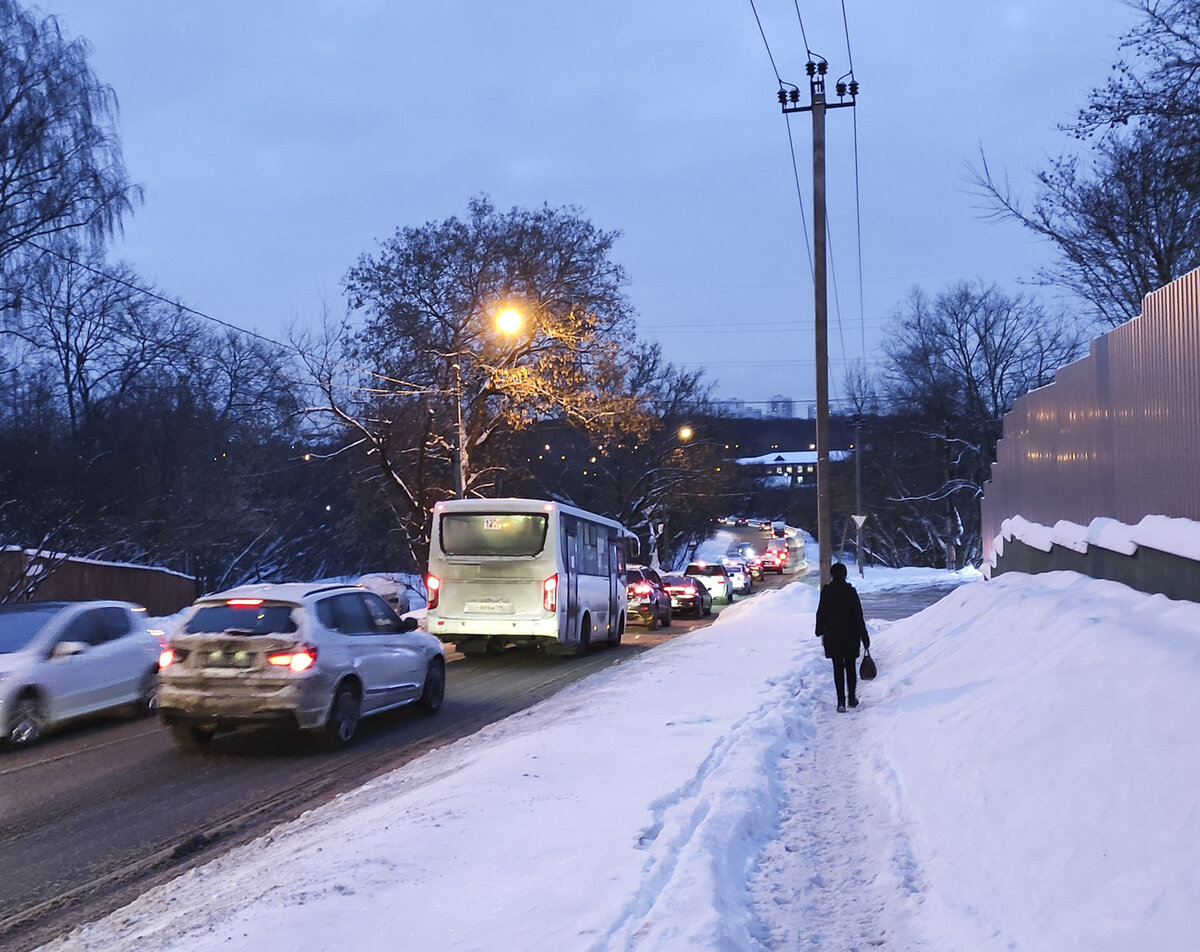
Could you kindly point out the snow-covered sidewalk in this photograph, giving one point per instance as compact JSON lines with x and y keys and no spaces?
{"x":1022,"y":775}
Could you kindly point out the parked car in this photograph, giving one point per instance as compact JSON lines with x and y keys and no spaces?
{"x":688,"y":594}
{"x":714,"y":577}
{"x":739,"y":576}
{"x":60,"y":661}
{"x":649,"y":603}
{"x":294,"y":656}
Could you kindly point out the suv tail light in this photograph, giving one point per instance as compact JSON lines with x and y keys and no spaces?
{"x":550,"y":594}
{"x":433,"y":588}
{"x":640,"y":588}
{"x":300,"y":658}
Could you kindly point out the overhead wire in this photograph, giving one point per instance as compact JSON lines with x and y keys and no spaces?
{"x":857,"y":189}
{"x":787,"y":119}
{"x":410,"y":388}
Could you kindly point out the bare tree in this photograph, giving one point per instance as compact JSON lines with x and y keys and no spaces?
{"x":1124,"y":226}
{"x":957,"y":363}
{"x":1159,"y":79}
{"x":1127,"y":222}
{"x":435,"y":383}
{"x":60,"y":160}
{"x":91,"y":320}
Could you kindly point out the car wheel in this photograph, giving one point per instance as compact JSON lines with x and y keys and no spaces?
{"x":706,"y":610}
{"x":25,"y":722}
{"x":188,"y":737}
{"x":667,"y":620}
{"x":652,"y":621}
{"x":434,"y":690}
{"x":343,"y":717}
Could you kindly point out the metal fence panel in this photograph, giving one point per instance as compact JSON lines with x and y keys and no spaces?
{"x":1116,"y":434}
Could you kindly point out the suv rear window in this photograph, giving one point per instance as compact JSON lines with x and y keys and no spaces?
{"x":709,"y":570}
{"x":256,"y":619}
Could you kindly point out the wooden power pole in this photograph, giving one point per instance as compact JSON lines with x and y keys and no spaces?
{"x":789,"y":100}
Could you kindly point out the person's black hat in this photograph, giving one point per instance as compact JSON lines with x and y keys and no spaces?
{"x":838,"y":571}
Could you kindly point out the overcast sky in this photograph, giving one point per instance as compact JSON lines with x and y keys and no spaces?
{"x":277,"y":142}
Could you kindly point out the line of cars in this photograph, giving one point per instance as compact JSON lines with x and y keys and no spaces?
{"x":302,"y":657}
{"x":653,"y":597}
{"x":298,"y":657}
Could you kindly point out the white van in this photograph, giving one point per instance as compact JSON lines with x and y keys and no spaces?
{"x":526,"y":572}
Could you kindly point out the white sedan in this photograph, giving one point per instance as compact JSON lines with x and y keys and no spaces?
{"x":60,"y":661}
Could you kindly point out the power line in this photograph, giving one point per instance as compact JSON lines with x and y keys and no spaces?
{"x":410,"y":388}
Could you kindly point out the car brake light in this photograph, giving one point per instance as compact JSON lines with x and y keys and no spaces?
{"x":550,"y":594}
{"x":641,"y":588}
{"x":298,"y":659}
{"x":166,"y":658}
{"x":244,"y":602}
{"x":433,"y":586}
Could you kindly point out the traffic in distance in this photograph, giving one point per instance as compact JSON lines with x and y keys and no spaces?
{"x":317,"y":658}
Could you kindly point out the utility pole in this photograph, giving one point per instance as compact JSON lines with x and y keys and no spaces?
{"x":789,"y":101}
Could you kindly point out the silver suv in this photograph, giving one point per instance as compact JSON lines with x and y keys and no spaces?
{"x":294,"y":656}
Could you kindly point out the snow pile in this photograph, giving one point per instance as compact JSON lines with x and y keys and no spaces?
{"x":1020,"y":776}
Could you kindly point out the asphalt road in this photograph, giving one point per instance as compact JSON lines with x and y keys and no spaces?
{"x":93,"y":816}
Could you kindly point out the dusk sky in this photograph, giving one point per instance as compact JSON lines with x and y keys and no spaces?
{"x":277,"y":142}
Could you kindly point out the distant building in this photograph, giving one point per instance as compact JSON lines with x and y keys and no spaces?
{"x":788,"y":469}
{"x":738,"y":410}
{"x":781,"y":406}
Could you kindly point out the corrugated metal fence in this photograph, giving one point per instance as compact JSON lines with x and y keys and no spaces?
{"x":48,"y":576}
{"x":1117,"y":434}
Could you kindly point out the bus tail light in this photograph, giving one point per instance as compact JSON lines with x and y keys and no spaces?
{"x":550,"y":594}
{"x":433,"y":586}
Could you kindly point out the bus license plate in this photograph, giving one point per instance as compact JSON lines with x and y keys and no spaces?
{"x":490,"y":608}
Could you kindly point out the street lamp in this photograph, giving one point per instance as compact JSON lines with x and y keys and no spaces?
{"x":509,"y":322}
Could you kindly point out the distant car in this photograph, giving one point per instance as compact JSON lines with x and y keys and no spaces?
{"x":739,"y":576}
{"x":60,"y":661}
{"x":649,"y":603}
{"x":748,"y":554}
{"x":294,"y":656}
{"x":775,"y":560}
{"x":764,"y":525}
{"x":714,"y":577}
{"x":688,"y":595}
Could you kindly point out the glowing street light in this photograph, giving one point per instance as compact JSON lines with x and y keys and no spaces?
{"x":509,"y":320}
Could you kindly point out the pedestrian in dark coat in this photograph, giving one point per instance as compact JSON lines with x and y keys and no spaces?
{"x":840,"y":623}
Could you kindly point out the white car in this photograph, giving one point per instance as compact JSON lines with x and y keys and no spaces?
{"x":294,"y":656}
{"x":714,"y":577}
{"x":60,"y":661}
{"x":740,"y":578}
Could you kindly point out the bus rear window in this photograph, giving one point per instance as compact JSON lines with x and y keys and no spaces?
{"x":509,"y":533}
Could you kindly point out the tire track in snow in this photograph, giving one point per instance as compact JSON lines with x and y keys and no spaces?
{"x":710,"y":829}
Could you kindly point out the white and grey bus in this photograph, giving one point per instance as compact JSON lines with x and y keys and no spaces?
{"x":526,"y":572}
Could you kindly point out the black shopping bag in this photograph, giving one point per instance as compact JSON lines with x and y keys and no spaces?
{"x":866,"y":670}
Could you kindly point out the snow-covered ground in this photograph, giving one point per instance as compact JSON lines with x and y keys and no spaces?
{"x":1022,"y":775}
